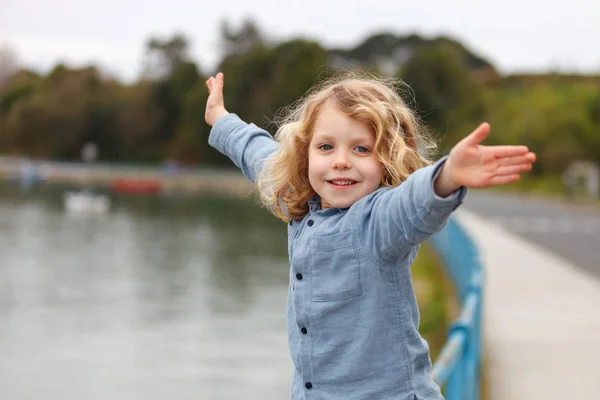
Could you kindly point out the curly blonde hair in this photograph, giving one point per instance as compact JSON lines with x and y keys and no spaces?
{"x":402,"y":143}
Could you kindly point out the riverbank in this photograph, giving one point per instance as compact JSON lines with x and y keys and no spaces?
{"x":199,"y":180}
{"x":164,"y":178}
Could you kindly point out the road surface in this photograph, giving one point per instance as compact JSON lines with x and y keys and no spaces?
{"x":569,"y":231}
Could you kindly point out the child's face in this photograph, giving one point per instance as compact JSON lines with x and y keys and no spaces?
{"x":341,"y":166}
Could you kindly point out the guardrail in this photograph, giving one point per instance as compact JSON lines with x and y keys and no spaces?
{"x":457,"y":369}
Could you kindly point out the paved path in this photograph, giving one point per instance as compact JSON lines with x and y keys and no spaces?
{"x":572,"y":232}
{"x":541,"y":318}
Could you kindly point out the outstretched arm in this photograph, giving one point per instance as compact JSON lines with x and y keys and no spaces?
{"x":245,"y":144}
{"x":402,"y":217}
{"x":473,"y":165}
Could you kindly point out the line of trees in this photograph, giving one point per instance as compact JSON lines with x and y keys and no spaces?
{"x":161,"y":116}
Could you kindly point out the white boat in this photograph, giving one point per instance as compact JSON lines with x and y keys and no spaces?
{"x":86,"y":202}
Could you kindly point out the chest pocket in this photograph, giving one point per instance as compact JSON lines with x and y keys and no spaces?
{"x":335,"y":269}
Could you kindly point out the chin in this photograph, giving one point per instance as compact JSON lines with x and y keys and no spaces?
{"x":342,"y":204}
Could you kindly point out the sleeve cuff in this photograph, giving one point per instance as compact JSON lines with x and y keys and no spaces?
{"x":222,"y":129}
{"x":455,"y":199}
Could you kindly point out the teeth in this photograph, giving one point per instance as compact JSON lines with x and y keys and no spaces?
{"x":343,"y":183}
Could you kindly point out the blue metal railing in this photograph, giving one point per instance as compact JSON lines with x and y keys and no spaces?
{"x":457,"y":369}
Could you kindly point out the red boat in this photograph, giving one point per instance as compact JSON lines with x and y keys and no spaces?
{"x":136,"y":186}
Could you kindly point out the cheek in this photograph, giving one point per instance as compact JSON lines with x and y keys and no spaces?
{"x":374,"y":168}
{"x":381,"y":170}
{"x":313,"y":170}
{"x":311,"y":161}
{"x":316,"y":165}
{"x":376,"y":172}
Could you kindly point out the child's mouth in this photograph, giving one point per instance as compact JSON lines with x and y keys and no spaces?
{"x":342,"y":183}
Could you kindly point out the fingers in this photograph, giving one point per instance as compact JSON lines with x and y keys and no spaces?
{"x":528,"y":157}
{"x":220,"y":79}
{"x":209,"y":83}
{"x":515,"y":165}
{"x":513,"y":169}
{"x":215,"y":83}
{"x":509,"y":151}
{"x":478,"y":135}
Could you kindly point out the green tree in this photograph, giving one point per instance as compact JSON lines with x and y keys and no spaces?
{"x":53,"y":121}
{"x":241,"y":40}
{"x":446,"y":93}
{"x":163,"y":56}
{"x":258,"y":83}
{"x":555,"y":127}
{"x":191,"y":142}
{"x":175,"y":75}
{"x":135,"y":122}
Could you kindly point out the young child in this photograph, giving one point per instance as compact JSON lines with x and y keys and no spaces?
{"x":350,"y":175}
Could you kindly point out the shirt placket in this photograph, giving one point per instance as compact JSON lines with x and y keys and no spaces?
{"x":301,"y":294}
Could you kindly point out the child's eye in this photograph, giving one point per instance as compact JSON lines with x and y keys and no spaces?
{"x":326,"y":147}
{"x":362,"y":149}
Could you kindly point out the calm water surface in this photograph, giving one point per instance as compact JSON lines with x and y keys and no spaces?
{"x":162,"y":298}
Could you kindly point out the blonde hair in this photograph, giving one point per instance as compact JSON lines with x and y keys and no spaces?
{"x":402,"y":143}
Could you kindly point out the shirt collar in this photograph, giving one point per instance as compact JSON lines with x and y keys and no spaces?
{"x":314,"y":204}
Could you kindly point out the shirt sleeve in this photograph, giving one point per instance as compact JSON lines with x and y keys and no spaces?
{"x":395,"y":220}
{"x":245,"y":144}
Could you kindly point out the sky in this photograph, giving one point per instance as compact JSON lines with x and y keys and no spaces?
{"x":516,"y":36}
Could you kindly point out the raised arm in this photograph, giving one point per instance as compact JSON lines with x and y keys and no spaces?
{"x":398,"y":218}
{"x":245,"y":144}
{"x":401,"y":217}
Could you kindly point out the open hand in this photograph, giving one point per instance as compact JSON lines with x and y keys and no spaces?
{"x":215,"y":108}
{"x":474,"y":165}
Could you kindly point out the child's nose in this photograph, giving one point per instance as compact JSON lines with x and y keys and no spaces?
{"x":341,"y":161}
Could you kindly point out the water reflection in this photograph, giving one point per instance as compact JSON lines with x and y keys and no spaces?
{"x":162,"y":298}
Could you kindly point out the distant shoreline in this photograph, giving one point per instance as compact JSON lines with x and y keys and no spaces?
{"x":169,"y":179}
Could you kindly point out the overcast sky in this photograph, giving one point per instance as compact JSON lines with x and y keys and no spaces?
{"x":525,"y":35}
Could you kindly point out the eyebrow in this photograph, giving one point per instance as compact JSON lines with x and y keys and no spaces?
{"x":353,"y":139}
{"x":322,"y":136}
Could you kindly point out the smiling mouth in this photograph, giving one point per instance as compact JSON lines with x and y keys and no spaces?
{"x":342,"y":182}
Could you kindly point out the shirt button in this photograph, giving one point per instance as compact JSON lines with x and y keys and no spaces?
{"x":303,"y":330}
{"x":299,"y":277}
{"x":308,"y":385}
{"x":311,"y":222}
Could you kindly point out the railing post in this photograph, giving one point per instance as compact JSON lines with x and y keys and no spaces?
{"x":460,"y":360}
{"x":456,"y":385}
{"x":474,"y":348}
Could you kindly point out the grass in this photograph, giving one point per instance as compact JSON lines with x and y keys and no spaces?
{"x":436,"y":298}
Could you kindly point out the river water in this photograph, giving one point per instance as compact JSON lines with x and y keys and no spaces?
{"x":161,"y":298}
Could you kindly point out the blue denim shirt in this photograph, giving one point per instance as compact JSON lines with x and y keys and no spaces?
{"x":352,"y":316}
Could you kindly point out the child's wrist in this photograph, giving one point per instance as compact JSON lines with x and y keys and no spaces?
{"x":445,"y":184}
{"x":223,"y":112}
{"x":453,"y":180}
{"x":217,"y":115}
